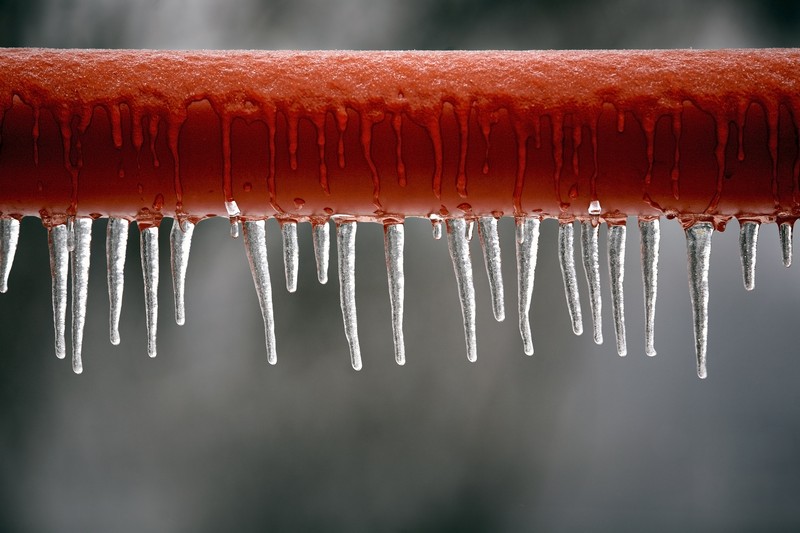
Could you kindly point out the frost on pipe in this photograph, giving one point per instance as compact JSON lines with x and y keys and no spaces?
{"x":457,"y":137}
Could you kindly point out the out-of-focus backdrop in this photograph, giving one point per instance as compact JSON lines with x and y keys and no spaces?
{"x":208,"y":437}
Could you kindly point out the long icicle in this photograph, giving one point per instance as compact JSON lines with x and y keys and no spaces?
{"x":149,"y":255}
{"x":346,"y":240}
{"x":9,"y":237}
{"x":393,"y":244}
{"x":786,"y":243}
{"x":650,"y":236}
{"x":527,"y":251}
{"x":321,"y":237}
{"x":81,"y":256}
{"x":590,"y":253}
{"x":291,"y":254}
{"x":616,"y":269}
{"x":748,"y":245}
{"x":180,"y":245}
{"x":566,"y":257}
{"x":698,"y":247}
{"x":462,"y":265}
{"x":255,"y":244}
{"x":490,"y":243}
{"x":59,"y":269}
{"x":116,"y":249}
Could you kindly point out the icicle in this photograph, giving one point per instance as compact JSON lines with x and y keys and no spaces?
{"x":80,"y":287}
{"x":698,"y":247}
{"x":59,"y":268}
{"x":436,"y":223}
{"x":291,"y":254}
{"x":346,"y":240}
{"x":255,"y":243}
{"x":470,"y":229}
{"x":527,"y":247}
{"x":233,"y":214}
{"x":393,"y":243}
{"x":462,"y":265}
{"x":149,"y":255}
{"x":490,"y":242}
{"x":9,"y":236}
{"x":566,"y":259}
{"x":650,"y":235}
{"x":748,"y":243}
{"x":616,"y":267}
{"x":786,"y":243}
{"x":116,"y":248}
{"x":591,"y":266}
{"x":180,"y":244}
{"x":322,"y":245}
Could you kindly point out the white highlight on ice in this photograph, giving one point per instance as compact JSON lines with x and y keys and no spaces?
{"x":785,"y":230}
{"x":255,"y":244}
{"x":594,"y":207}
{"x":70,"y":233}
{"x":116,"y":249}
{"x":321,"y":237}
{"x":490,"y":243}
{"x":393,"y":244}
{"x":650,"y":236}
{"x":346,"y":240}
{"x":233,"y":214}
{"x":590,"y":253}
{"x":698,"y":248}
{"x":616,"y":268}
{"x":9,"y":237}
{"x":566,"y":253}
{"x":462,"y":265}
{"x":291,"y":254}
{"x":748,"y":245}
{"x":149,"y":256}
{"x":80,"y":287}
{"x":436,"y":222}
{"x":59,"y":268}
{"x":527,"y":251}
{"x":180,"y":245}
{"x":470,"y":229}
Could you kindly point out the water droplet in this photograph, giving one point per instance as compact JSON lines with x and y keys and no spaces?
{"x":490,"y":243}
{"x":346,"y":239}
{"x":255,"y":243}
{"x":462,"y":265}
{"x":9,"y":237}
{"x":299,"y":203}
{"x":116,"y":250}
{"x":291,"y":254}
{"x":698,"y":248}
{"x":616,"y":268}
{"x":650,"y":235}
{"x":393,"y":244}
{"x":591,"y":266}
{"x":566,"y":253}
{"x":527,"y":251}
{"x":748,"y":244}
{"x":158,"y":202}
{"x":247,"y":186}
{"x":149,"y":257}
{"x":180,"y":245}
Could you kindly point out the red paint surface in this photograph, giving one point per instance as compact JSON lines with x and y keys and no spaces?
{"x":391,"y":134}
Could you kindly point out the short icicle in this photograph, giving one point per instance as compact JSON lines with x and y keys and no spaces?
{"x":9,"y":237}
{"x":255,"y":243}
{"x":490,"y":243}
{"x":462,"y":265}
{"x":590,"y":254}
{"x":234,"y":213}
{"x":650,"y":235}
{"x":436,"y":225}
{"x":566,"y":253}
{"x":698,"y":247}
{"x":321,"y":236}
{"x":59,"y":268}
{"x":149,"y":255}
{"x":527,"y":248}
{"x":291,"y":254}
{"x":116,"y":249}
{"x":786,"y":243}
{"x":616,"y":268}
{"x":346,"y":240}
{"x":180,"y":245}
{"x":393,"y":243}
{"x":748,"y":244}
{"x":81,"y":255}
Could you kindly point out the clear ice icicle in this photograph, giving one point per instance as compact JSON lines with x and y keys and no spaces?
{"x":80,"y":287}
{"x":180,"y":245}
{"x":291,"y":254}
{"x":9,"y":237}
{"x":116,"y":249}
{"x":321,"y":236}
{"x":698,"y":248}
{"x":346,"y":240}
{"x":748,"y":244}
{"x":590,"y":253}
{"x":650,"y":235}
{"x":234,"y":213}
{"x":462,"y":265}
{"x":255,"y":244}
{"x":393,"y":244}
{"x":786,"y":243}
{"x":490,"y":243}
{"x":149,"y":255}
{"x":59,"y":268}
{"x":566,"y":257}
{"x":527,"y":248}
{"x":436,"y":224}
{"x":616,"y":268}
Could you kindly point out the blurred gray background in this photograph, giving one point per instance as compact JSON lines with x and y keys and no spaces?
{"x":208,"y":437}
